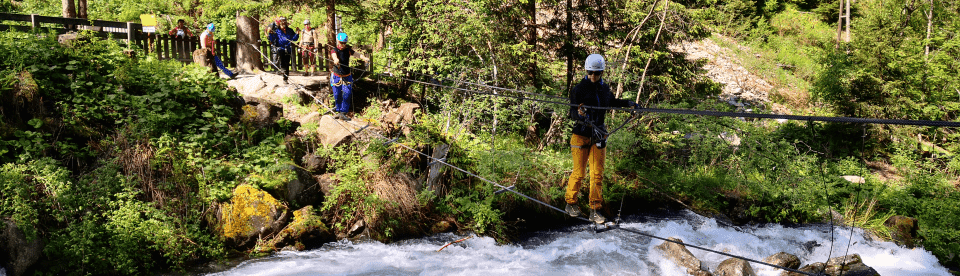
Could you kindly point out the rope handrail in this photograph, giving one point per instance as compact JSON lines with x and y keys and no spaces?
{"x":685,"y":111}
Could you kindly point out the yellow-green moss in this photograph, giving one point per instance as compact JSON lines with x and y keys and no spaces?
{"x":249,"y":210}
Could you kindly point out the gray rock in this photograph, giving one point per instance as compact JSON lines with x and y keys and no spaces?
{"x":851,"y":265}
{"x":260,"y":113}
{"x":814,"y":268}
{"x":735,"y":267}
{"x":681,"y":256}
{"x":357,"y":228}
{"x":313,"y":163}
{"x":783,"y":259}
{"x":334,"y":132}
{"x":327,"y":182}
{"x":403,"y":115}
{"x":854,"y":179}
{"x":303,"y":190}
{"x":18,"y":253}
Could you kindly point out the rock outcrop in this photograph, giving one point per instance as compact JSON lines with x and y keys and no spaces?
{"x":250,"y":214}
{"x":17,"y":253}
{"x":682,"y":257}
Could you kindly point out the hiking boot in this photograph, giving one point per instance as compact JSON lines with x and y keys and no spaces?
{"x":597,"y":217}
{"x":573,"y":210}
{"x":343,"y":116}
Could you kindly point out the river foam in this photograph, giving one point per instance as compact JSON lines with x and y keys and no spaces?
{"x":578,"y":250}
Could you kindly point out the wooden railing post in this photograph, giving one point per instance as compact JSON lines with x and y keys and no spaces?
{"x":33,"y":21}
{"x":130,"y":33}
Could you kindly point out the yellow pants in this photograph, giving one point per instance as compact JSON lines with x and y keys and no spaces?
{"x":584,"y":151}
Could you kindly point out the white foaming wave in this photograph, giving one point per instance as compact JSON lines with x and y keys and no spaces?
{"x":583,"y":252}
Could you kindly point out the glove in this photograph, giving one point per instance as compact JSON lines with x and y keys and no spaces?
{"x":582,"y":111}
{"x":635,"y":105}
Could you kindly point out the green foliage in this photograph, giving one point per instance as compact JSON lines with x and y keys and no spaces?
{"x":351,"y":198}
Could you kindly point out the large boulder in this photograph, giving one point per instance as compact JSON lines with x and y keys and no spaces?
{"x":681,"y":256}
{"x":783,"y":259}
{"x":334,"y":132}
{"x":18,"y":254}
{"x":903,"y":230}
{"x":735,"y":267}
{"x":250,"y":214}
{"x":304,"y":232}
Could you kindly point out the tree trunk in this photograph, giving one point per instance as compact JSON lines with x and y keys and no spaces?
{"x":532,"y":35}
{"x":248,"y":32}
{"x":569,"y":44}
{"x":926,"y":46}
{"x":69,"y":10}
{"x":848,"y":21}
{"x":839,"y":25}
{"x":643,"y":77}
{"x":82,"y":8}
{"x":331,"y":27}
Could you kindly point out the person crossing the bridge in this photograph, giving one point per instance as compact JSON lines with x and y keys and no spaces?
{"x":341,"y":78}
{"x":206,"y":41}
{"x":589,"y":138}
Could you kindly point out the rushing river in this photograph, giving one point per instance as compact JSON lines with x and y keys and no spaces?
{"x":578,"y":250}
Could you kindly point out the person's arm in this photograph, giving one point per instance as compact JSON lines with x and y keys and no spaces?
{"x":172,"y":31}
{"x":334,"y":57}
{"x":614,"y":102}
{"x":576,"y":101}
{"x":187,"y":30}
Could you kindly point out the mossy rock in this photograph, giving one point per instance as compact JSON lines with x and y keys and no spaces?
{"x":306,"y":231}
{"x":250,"y":214}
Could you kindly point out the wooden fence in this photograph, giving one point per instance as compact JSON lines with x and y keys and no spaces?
{"x":160,"y":44}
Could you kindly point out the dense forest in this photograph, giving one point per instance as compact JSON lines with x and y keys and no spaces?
{"x":119,"y":165}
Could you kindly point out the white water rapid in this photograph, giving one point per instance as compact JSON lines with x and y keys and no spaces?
{"x":579,"y":251}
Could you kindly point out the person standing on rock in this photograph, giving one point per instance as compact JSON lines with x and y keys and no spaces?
{"x":341,"y":79}
{"x":206,"y":41}
{"x":281,"y":38}
{"x":308,"y":47}
{"x":589,"y":140}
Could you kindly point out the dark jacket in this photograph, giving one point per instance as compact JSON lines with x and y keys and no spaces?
{"x":593,"y":94}
{"x":281,"y":39}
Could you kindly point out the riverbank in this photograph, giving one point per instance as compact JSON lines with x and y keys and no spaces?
{"x":153,"y":165}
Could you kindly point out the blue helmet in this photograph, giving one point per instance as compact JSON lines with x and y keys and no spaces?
{"x":211,"y":27}
{"x":342,"y":37}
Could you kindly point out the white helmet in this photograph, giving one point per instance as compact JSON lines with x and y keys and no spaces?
{"x":594,"y":63}
{"x":306,"y":22}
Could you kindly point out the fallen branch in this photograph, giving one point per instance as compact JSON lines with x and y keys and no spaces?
{"x":453,"y":242}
